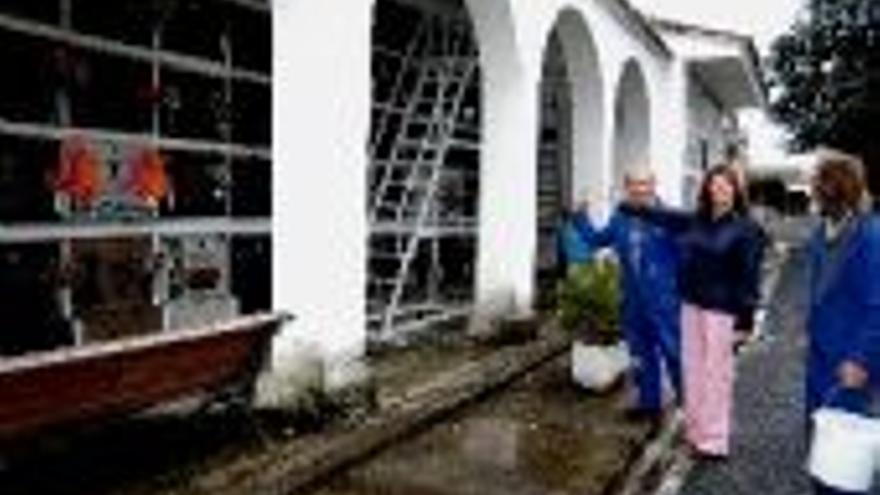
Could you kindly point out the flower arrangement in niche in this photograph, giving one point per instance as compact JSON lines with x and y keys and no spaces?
{"x":147,"y":179}
{"x":78,"y":175}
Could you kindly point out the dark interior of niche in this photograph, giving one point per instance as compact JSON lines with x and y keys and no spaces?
{"x":198,"y":184}
{"x":251,"y":114}
{"x":193,"y":106}
{"x":395,"y":25}
{"x":29,"y":94}
{"x":458,"y":257}
{"x":252,"y":272}
{"x":251,"y":188}
{"x":191,"y":27}
{"x":198,"y":107}
{"x":25,"y":191}
{"x":196,"y":27}
{"x":33,"y":320}
{"x":127,"y":22}
{"x":252,"y":40}
{"x":385,"y":133}
{"x":110,"y":92}
{"x":455,"y":280}
{"x":46,"y":11}
{"x":385,"y":69}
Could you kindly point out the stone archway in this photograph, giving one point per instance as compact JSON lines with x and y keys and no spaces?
{"x":569,"y":159}
{"x":632,"y":124}
{"x":424,"y":165}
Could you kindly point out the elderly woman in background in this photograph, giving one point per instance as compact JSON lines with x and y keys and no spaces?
{"x":843,"y":367}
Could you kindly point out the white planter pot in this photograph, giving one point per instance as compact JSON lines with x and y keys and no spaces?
{"x":597,"y":368}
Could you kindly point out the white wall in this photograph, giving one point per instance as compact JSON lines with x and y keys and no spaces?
{"x":507,"y":254}
{"x":588,"y":96}
{"x":632,"y":125}
{"x":507,"y":161}
{"x":706,"y":137}
{"x":321,"y":104}
{"x":320,"y":119}
{"x":671,"y":145}
{"x":705,"y":123}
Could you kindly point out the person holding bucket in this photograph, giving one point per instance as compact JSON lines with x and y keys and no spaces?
{"x":721,"y":252}
{"x":843,"y":325}
{"x":650,"y":303}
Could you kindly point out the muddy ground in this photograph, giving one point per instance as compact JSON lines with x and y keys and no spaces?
{"x":538,"y":435}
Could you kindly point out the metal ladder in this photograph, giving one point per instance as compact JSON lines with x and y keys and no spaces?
{"x":442,"y":84}
{"x":406,"y":62}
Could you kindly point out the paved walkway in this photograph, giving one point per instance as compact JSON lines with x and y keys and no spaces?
{"x":768,"y":448}
{"x":539,"y":436}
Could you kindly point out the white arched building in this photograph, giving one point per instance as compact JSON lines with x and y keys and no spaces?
{"x":423,"y":149}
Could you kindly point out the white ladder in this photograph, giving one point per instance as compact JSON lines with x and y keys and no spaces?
{"x":442,"y":84}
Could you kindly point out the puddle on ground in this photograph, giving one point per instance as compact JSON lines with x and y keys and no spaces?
{"x":542,"y":436}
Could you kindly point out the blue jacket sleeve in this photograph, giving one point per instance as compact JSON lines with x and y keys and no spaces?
{"x":751,"y":256}
{"x":673,"y":220}
{"x":813,"y":252}
{"x":865,"y":349}
{"x":596,"y":238}
{"x":572,"y":248}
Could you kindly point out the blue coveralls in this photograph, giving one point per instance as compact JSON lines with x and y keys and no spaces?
{"x":650,"y":307}
{"x":844,"y":318}
{"x":844,"y":314}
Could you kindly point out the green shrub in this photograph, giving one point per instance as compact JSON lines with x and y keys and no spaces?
{"x":589,"y":298}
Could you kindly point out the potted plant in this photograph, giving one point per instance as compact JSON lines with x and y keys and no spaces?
{"x":588,"y":301}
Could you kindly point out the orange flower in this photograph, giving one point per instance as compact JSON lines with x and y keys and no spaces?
{"x":78,"y":175}
{"x":148,"y":180}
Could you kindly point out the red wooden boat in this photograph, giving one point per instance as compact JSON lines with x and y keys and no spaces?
{"x":44,"y":391}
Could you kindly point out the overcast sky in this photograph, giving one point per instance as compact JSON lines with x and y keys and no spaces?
{"x":762,"y":19}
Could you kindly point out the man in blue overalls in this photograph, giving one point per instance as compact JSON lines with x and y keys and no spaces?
{"x":650,"y":307}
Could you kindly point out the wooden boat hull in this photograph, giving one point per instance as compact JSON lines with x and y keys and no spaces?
{"x":47,"y":390}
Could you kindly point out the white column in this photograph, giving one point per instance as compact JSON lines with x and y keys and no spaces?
{"x":670,"y":120}
{"x":606,"y":198}
{"x":320,"y":118}
{"x":507,"y":236}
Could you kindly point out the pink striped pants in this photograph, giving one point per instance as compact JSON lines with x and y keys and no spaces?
{"x":708,"y":368}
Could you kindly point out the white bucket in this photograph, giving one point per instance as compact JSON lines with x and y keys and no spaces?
{"x":597,"y":368}
{"x":845,"y":450}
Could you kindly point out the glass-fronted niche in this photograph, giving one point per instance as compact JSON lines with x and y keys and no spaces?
{"x":135,"y":167}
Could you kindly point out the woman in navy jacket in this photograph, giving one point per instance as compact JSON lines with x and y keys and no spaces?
{"x":843,"y":367}
{"x":720,"y":256}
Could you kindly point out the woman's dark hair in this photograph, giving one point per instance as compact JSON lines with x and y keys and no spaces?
{"x":732,"y":176}
{"x":839,"y":183}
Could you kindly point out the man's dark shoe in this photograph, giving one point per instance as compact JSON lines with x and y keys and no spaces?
{"x":640,"y":414}
{"x":651,"y":417}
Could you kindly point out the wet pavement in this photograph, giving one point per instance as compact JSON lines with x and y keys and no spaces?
{"x":768,"y":443}
{"x":540,"y":436}
{"x":398,"y":373}
{"x":120,"y":458}
{"x":160,"y":453}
